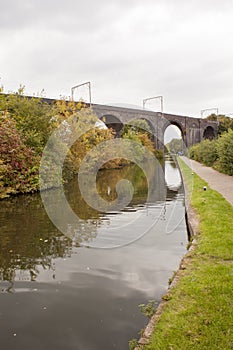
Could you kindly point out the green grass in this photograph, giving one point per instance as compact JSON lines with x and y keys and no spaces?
{"x":199,"y":312}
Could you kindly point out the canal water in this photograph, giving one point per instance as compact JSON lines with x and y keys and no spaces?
{"x":82,"y":292}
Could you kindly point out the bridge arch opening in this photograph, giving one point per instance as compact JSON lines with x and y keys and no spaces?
{"x":174,"y":139}
{"x":112,"y":122}
{"x":142,"y":124}
{"x":150,"y":129}
{"x":147,"y":125}
{"x":209,"y":133}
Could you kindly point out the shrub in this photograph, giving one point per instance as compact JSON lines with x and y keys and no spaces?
{"x":204,"y":152}
{"x":19,"y":163}
{"x":225,"y":152}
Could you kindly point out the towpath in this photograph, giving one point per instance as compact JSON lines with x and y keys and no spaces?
{"x":217,"y":181}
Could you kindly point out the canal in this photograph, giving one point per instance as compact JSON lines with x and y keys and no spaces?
{"x":82,"y":292}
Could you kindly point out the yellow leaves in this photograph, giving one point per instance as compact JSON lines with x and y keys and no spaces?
{"x":65,"y":108}
{"x":89,"y":140}
{"x":145,"y":141}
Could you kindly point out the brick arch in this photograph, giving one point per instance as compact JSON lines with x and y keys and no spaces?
{"x":178,"y":125}
{"x":151,"y":126}
{"x":153,"y":135}
{"x":209,"y":133}
{"x":113,"y":122}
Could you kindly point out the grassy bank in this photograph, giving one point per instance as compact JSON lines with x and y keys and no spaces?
{"x":199,"y":310}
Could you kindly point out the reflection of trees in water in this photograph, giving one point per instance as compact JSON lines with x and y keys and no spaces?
{"x":28,"y":239}
{"x":173,"y":164}
{"x":107,"y":181}
{"x":106,"y":187}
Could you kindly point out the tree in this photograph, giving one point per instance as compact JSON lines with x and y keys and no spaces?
{"x":175,"y":146}
{"x":225,"y":123}
{"x":32,"y":117}
{"x":137,"y":126}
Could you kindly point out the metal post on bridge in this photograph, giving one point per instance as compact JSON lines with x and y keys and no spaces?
{"x":209,"y":109}
{"x":161,"y":111}
{"x":153,"y":98}
{"x":88,"y":83}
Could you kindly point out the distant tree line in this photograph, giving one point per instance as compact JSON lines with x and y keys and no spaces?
{"x":175,"y":146}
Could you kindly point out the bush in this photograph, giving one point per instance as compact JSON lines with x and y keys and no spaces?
{"x":225,"y":152}
{"x":139,"y":131}
{"x":217,"y":153}
{"x":19,"y":163}
{"x":204,"y":152}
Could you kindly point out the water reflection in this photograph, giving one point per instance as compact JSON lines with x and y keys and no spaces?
{"x":58,"y":286}
{"x":28,"y":239}
{"x":172,"y":176}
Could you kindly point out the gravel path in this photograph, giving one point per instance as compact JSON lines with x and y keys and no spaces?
{"x":217,"y":181}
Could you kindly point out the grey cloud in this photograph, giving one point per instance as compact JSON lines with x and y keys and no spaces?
{"x":129,"y":49}
{"x":60,"y":14}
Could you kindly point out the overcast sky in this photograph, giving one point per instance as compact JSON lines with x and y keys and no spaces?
{"x":128,"y":49}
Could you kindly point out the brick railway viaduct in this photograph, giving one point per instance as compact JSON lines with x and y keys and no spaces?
{"x":193,"y":130}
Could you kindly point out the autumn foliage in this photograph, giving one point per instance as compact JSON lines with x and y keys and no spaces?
{"x":26,"y":123}
{"x":19,"y":163}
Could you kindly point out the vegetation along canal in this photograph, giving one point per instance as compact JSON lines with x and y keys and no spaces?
{"x":83,"y":293}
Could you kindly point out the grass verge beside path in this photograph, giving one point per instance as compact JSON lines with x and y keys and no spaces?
{"x":199,"y":311}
